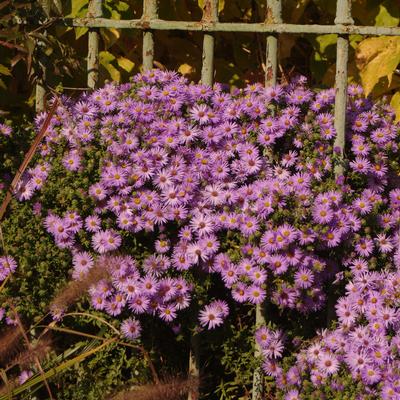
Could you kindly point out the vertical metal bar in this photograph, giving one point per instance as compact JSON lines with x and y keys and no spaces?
{"x":149,"y":12}
{"x":274,"y":16}
{"x":210,"y":15}
{"x":258,"y":376}
{"x":343,"y":17}
{"x":94,"y":11}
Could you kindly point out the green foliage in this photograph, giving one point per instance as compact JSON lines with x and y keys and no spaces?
{"x":101,"y":374}
{"x":238,"y":362}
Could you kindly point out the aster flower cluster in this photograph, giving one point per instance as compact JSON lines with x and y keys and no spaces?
{"x":142,"y":291}
{"x":366,"y":341}
{"x":271,"y":343}
{"x":240,"y":185}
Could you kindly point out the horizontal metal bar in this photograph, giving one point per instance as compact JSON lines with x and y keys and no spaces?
{"x":204,"y":26}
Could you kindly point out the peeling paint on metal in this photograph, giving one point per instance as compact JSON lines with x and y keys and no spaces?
{"x":95,"y":11}
{"x":210,"y":18}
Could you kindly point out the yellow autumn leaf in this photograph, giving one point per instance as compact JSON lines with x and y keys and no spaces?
{"x":110,"y":36}
{"x":125,"y":63}
{"x":376,"y":58}
{"x":185,"y":69}
{"x":221,"y":4}
{"x":80,"y":31}
{"x":395,"y":103}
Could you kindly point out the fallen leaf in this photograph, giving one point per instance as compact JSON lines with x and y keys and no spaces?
{"x":377,"y":57}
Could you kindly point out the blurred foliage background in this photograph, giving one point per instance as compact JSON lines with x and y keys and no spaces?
{"x":34,"y":43}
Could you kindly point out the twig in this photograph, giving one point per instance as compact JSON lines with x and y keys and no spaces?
{"x":13,"y":46}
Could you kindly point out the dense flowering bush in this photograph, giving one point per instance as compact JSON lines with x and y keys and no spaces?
{"x":240,"y":186}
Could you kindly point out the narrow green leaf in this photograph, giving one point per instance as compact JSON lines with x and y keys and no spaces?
{"x":106,"y":59}
{"x":77,"y":8}
{"x":80,"y":31}
{"x":57,"y":370}
{"x":125,"y":63}
{"x":4,"y":70}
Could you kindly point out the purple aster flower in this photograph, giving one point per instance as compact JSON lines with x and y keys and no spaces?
{"x":139,"y":304}
{"x":364,"y":247}
{"x":98,"y":191}
{"x":210,"y":316}
{"x":202,"y":224}
{"x":304,"y":278}
{"x":200,"y":114}
{"x":5,"y":130}
{"x":322,"y":214}
{"x":7,"y":266}
{"x":24,"y":376}
{"x":167,"y":312}
{"x":292,"y":394}
{"x":131,"y":328}
{"x":93,"y":223}
{"x":328,"y":364}
{"x":363,"y":206}
{"x":255,"y":294}
{"x":274,"y":349}
{"x":82,"y":263}
{"x":361,"y":165}
{"x":104,"y":241}
{"x":385,"y":243}
{"x":72,"y":161}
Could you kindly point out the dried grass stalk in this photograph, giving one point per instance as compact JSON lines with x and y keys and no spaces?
{"x":10,"y":344}
{"x":37,"y":352}
{"x":77,"y":288}
{"x":167,"y":389}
